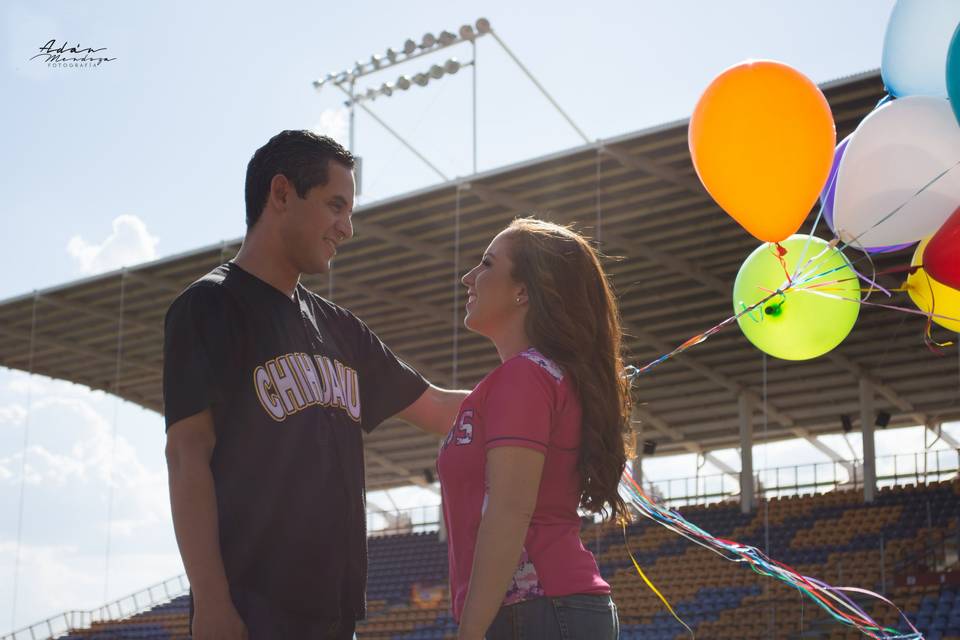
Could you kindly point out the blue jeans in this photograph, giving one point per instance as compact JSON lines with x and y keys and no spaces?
{"x":264,"y":621}
{"x":576,"y":617}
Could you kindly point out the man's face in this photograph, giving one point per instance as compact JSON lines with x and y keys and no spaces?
{"x":317,"y":224}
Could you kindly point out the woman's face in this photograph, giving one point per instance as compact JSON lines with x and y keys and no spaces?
{"x":494,"y":300}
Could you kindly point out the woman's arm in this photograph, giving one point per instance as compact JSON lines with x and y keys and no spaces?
{"x":513,"y":475}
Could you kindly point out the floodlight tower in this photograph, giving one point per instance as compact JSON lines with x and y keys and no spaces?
{"x":346,"y":80}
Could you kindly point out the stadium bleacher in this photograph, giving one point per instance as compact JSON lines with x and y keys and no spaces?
{"x":832,"y":536}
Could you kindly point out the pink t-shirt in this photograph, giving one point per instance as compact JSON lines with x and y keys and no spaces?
{"x":525,"y":402}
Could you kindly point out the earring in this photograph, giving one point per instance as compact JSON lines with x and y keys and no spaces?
{"x":518,"y":300}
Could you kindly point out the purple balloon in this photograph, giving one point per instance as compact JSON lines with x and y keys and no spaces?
{"x":829,"y":191}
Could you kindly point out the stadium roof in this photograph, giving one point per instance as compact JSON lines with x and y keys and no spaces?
{"x":680,"y":254}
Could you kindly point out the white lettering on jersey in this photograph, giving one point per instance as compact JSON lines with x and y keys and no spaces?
{"x":292,"y":382}
{"x":268,"y":397}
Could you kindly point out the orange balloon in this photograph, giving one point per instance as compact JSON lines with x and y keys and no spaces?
{"x":762,"y":140}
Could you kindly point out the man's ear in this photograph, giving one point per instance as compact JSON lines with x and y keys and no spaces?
{"x":280,"y":191}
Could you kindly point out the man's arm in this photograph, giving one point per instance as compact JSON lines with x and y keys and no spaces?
{"x":193,"y":502}
{"x":435,"y":410}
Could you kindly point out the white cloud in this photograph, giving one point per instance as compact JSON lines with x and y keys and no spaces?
{"x":73,"y":465}
{"x":57,"y":578}
{"x":19,"y":383}
{"x":129,"y":243}
{"x":333,"y":123}
{"x":84,"y":453}
{"x":23,"y":383}
{"x":13,"y":414}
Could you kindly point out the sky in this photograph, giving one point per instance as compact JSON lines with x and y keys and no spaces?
{"x":144,"y":157}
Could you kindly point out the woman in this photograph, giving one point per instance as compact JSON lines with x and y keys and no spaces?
{"x":541,"y":435}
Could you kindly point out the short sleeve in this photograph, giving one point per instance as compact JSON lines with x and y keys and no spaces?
{"x":388,"y":385}
{"x":193,"y":349}
{"x":518,"y":408}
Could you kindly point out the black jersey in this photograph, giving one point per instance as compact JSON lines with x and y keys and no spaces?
{"x":290,"y":383}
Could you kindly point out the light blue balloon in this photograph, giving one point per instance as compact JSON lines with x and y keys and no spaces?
{"x":915,"y":47}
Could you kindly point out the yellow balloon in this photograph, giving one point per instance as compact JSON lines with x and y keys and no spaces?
{"x":932,"y":296}
{"x":762,"y":139}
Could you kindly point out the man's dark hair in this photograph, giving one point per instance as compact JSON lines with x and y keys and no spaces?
{"x":302,"y":156}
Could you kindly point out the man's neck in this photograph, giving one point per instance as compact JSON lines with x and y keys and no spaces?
{"x":256,"y":259}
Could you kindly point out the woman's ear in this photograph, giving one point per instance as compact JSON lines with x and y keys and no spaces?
{"x":521,"y":295}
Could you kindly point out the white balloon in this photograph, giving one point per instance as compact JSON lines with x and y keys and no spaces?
{"x":896,"y":150}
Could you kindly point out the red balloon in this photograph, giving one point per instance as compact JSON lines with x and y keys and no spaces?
{"x":941,"y":259}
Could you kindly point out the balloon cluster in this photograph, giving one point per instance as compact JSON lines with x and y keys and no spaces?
{"x":763,"y":142}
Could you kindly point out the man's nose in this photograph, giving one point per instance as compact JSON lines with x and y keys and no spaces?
{"x":346,"y":229}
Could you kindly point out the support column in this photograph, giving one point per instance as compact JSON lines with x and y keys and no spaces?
{"x":637,"y":426}
{"x":747,"y":498}
{"x":869,"y":449}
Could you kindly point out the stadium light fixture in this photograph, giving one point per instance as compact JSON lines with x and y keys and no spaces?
{"x":435,"y":72}
{"x":346,"y":80}
{"x":429,"y":43}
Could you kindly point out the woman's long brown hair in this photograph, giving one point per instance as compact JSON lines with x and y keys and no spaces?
{"x":573,"y":320}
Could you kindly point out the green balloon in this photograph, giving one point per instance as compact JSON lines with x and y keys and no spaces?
{"x":797,"y":324}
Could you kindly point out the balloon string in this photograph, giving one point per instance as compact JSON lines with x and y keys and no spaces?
{"x":779,"y":251}
{"x":872,"y":280}
{"x":884,"y":100}
{"x":897,"y":210}
{"x":884,"y":306}
{"x":833,"y":600}
{"x":812,"y":265}
{"x":813,"y":230}
{"x":635,"y":372}
{"x":928,"y":339}
{"x":636,"y":564}
{"x":855,"y":241}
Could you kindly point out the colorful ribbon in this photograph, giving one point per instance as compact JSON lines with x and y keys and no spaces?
{"x":833,"y":600}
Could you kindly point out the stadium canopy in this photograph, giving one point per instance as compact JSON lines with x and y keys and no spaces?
{"x":676,"y":255}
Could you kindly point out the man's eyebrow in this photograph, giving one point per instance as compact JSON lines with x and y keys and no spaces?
{"x":489,"y":254}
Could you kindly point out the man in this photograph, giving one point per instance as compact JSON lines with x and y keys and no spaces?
{"x":266,"y":388}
